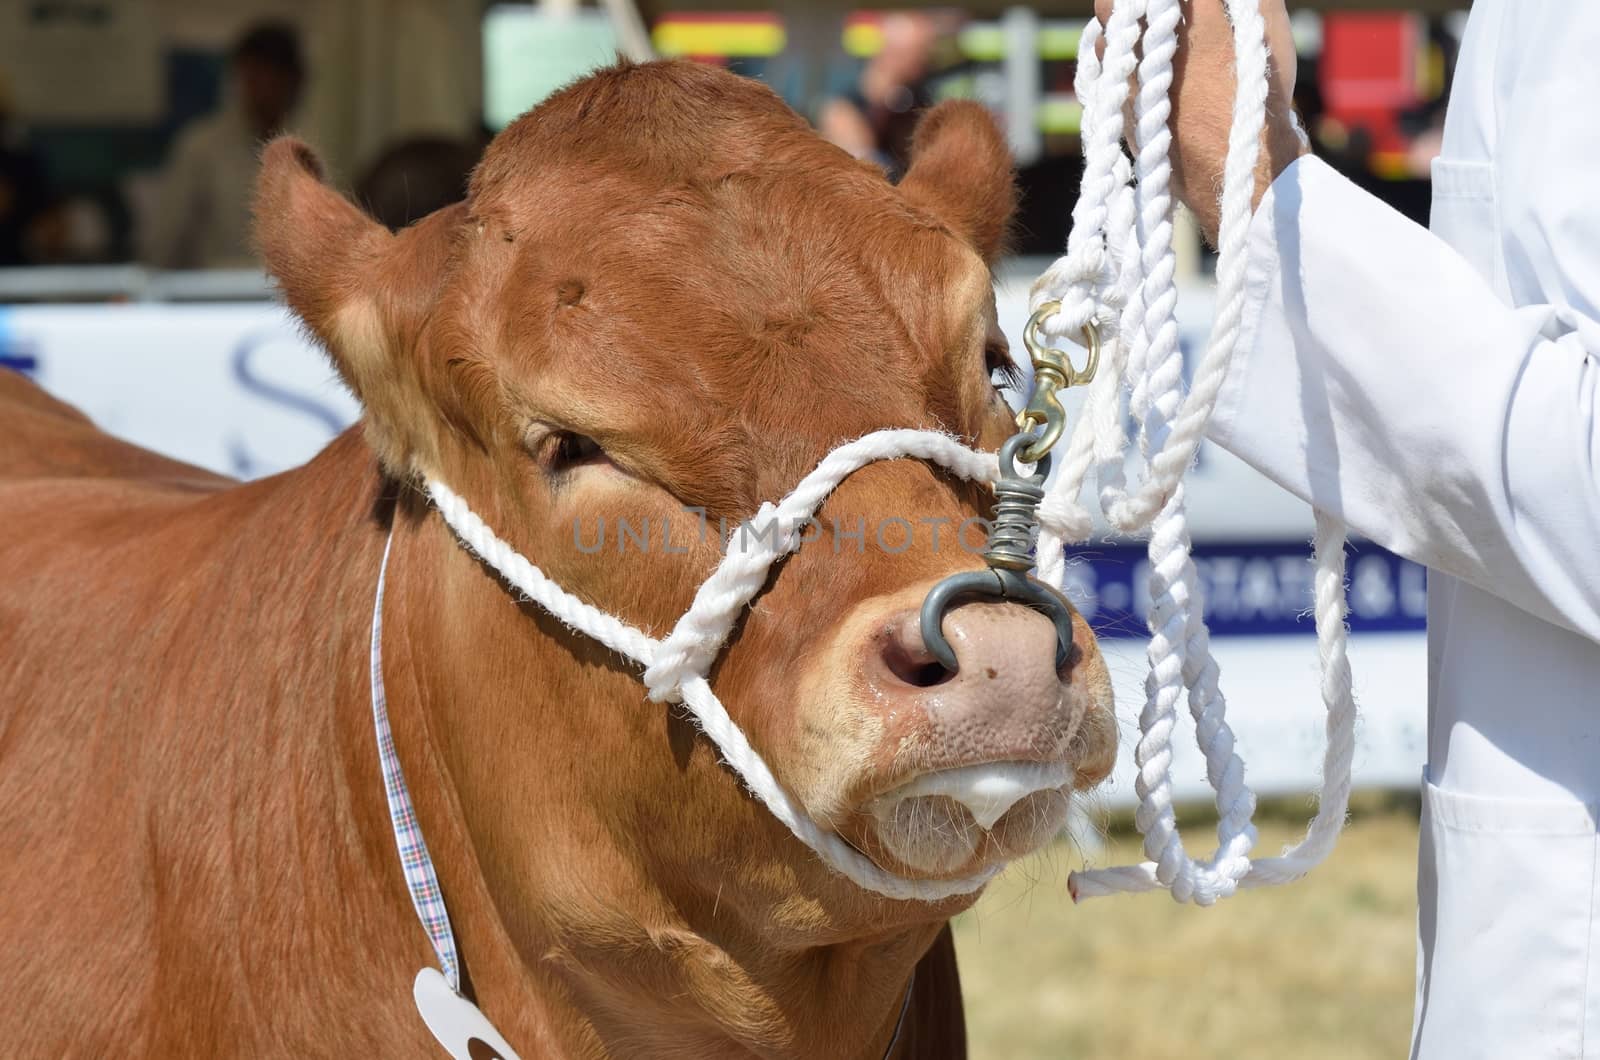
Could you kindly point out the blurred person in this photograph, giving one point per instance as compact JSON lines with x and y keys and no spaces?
{"x":1440,"y":393}
{"x":875,"y":119}
{"x":415,"y":177}
{"x":202,"y":213}
{"x":25,"y":197}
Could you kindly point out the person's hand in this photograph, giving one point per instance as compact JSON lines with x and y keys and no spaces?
{"x":1202,"y":104}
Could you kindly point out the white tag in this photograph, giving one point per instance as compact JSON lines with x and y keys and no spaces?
{"x":465,"y":1033}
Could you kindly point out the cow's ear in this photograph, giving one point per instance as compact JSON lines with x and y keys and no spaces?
{"x":961,"y":172}
{"x":363,"y":292}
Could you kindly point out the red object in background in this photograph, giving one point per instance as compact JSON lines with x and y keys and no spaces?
{"x":1370,"y":73}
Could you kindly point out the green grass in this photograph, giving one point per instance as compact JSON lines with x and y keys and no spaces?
{"x":1319,"y":969}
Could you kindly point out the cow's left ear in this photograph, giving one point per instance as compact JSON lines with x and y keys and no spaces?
{"x":365,"y":293}
{"x":961,"y":171}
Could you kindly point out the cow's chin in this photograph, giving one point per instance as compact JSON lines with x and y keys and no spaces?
{"x":958,"y":821}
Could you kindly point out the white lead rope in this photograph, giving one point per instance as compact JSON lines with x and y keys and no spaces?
{"x":676,"y":668}
{"x":1119,"y":273}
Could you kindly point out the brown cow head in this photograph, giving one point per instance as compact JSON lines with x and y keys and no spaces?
{"x":664,"y":300}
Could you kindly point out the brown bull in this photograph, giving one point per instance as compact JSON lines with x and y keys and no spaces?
{"x":664,"y":295}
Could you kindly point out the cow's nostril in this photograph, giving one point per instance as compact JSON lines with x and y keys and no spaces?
{"x":909,"y":660}
{"x":928,"y":675}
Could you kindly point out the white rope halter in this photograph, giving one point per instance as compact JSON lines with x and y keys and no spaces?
{"x":676,"y":665}
{"x":1118,"y":273}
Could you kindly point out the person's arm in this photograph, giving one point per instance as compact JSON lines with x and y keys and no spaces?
{"x":1379,"y":376}
{"x":1382,"y":379}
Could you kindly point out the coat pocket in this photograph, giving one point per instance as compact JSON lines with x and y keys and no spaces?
{"x":1506,"y":891}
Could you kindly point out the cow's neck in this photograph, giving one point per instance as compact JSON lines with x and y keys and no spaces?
{"x":545,"y":786}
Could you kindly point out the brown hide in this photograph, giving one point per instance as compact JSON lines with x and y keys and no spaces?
{"x":201,"y":861}
{"x":662,"y":259}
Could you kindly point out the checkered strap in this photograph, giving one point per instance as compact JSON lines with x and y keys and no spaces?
{"x":421,"y":880}
{"x":414,"y":860}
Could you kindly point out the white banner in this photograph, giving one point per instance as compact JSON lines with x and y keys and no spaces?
{"x":233,"y":388}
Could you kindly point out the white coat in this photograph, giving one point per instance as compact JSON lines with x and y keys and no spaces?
{"x":1439,"y":392}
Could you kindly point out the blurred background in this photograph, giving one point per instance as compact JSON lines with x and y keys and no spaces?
{"x":128,"y":138}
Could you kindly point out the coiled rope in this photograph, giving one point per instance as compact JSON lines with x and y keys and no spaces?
{"x":1119,"y":274}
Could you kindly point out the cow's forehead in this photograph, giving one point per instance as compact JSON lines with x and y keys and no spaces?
{"x":769,"y":254}
{"x":751,"y":297}
{"x":777,"y":349}
{"x":769,"y":293}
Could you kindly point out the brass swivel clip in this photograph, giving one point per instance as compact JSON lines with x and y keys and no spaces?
{"x":1053,"y":371}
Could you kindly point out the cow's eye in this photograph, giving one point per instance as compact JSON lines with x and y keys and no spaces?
{"x":1003,"y":371}
{"x":567,"y":449}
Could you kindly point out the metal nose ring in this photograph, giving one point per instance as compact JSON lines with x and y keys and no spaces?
{"x":994,"y":583}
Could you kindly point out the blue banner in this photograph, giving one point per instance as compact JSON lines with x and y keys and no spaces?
{"x":1251,"y":588}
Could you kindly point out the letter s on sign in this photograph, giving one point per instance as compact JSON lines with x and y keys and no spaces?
{"x":249,"y":459}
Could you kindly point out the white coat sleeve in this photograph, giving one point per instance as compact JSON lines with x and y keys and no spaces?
{"x":1382,"y":379}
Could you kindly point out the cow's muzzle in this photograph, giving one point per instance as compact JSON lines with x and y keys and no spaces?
{"x":978,"y":761}
{"x":953,"y":819}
